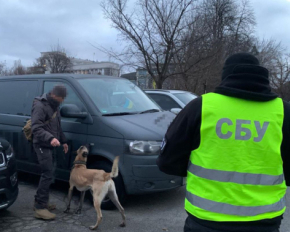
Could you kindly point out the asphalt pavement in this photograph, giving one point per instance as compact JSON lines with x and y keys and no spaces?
{"x":145,"y":213}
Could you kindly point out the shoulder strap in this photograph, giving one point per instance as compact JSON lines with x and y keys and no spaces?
{"x":53,"y":116}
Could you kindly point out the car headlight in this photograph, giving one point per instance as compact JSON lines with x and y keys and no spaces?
{"x":9,"y":152}
{"x":144,"y":147}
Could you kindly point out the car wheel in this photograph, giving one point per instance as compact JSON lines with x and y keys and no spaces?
{"x":107,"y":204}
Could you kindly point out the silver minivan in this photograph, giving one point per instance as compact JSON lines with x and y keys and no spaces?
{"x":171,"y":100}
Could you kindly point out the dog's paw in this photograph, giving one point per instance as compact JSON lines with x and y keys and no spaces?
{"x":93,"y":227}
{"x":66,"y":211}
{"x":123,"y":224}
{"x":78,"y":211}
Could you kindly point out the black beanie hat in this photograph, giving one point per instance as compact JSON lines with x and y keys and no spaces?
{"x":243,"y":63}
{"x":59,"y":91}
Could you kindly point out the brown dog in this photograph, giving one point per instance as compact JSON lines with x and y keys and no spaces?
{"x":98,"y":181}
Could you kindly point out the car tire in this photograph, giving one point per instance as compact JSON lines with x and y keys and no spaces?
{"x":107,"y":204}
{"x":3,"y":209}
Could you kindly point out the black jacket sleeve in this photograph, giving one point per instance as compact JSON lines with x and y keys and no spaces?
{"x":285,"y":147}
{"x":38,"y":117}
{"x":182,"y":136}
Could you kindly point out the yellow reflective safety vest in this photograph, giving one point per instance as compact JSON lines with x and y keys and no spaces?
{"x":236,"y":174}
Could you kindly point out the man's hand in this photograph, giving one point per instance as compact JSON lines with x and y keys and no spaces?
{"x":65,"y":148}
{"x":55,"y":143}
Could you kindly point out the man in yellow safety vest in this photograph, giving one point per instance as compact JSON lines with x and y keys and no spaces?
{"x":233,"y":146}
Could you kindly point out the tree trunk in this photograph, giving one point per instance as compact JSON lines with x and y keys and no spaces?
{"x":159,"y":84}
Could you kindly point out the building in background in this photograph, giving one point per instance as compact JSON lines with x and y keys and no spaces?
{"x":81,"y":66}
{"x":140,"y":78}
{"x":131,"y":77}
{"x":73,"y":65}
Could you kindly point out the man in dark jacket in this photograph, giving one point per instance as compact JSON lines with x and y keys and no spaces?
{"x":202,"y":149}
{"x":47,"y":135}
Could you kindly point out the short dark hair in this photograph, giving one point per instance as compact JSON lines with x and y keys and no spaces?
{"x":59,"y":91}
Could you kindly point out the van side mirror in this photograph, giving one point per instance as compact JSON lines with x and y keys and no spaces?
{"x":72,"y":111}
{"x":175,"y":110}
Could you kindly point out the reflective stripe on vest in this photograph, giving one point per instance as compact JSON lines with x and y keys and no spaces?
{"x":223,"y":208}
{"x":236,"y":173}
{"x":235,"y":177}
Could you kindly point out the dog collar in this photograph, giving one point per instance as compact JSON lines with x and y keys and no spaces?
{"x":80,"y":162}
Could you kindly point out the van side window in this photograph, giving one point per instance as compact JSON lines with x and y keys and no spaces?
{"x":71,"y":98}
{"x":16,"y":97}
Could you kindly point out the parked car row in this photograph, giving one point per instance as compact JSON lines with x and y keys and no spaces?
{"x":111,"y":114}
{"x":171,"y":100}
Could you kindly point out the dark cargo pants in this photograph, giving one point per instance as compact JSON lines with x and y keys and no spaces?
{"x":47,"y":162}
{"x":192,"y":226}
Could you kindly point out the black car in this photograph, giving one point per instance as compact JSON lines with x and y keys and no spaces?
{"x":8,"y":175}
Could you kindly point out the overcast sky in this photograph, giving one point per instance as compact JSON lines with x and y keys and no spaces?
{"x":28,"y":27}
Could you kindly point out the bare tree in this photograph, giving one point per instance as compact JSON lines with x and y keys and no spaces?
{"x":38,"y":67}
{"x":268,"y":51}
{"x":55,"y":61}
{"x":184,"y":43}
{"x":271,"y":55}
{"x":2,"y":69}
{"x":280,"y":75}
{"x":242,"y":28}
{"x":18,"y":68}
{"x":154,"y":32}
{"x":220,"y":28}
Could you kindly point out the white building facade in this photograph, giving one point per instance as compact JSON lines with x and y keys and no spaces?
{"x":81,"y":66}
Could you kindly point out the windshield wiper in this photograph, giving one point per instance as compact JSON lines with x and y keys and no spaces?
{"x":149,"y":111}
{"x":120,"y":113}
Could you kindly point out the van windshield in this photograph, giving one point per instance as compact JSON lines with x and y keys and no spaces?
{"x":117,"y":96}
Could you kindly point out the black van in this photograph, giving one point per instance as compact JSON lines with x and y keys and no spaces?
{"x":111,"y":114}
{"x":8,"y":175}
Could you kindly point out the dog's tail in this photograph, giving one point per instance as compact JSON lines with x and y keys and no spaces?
{"x":115,"y":169}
